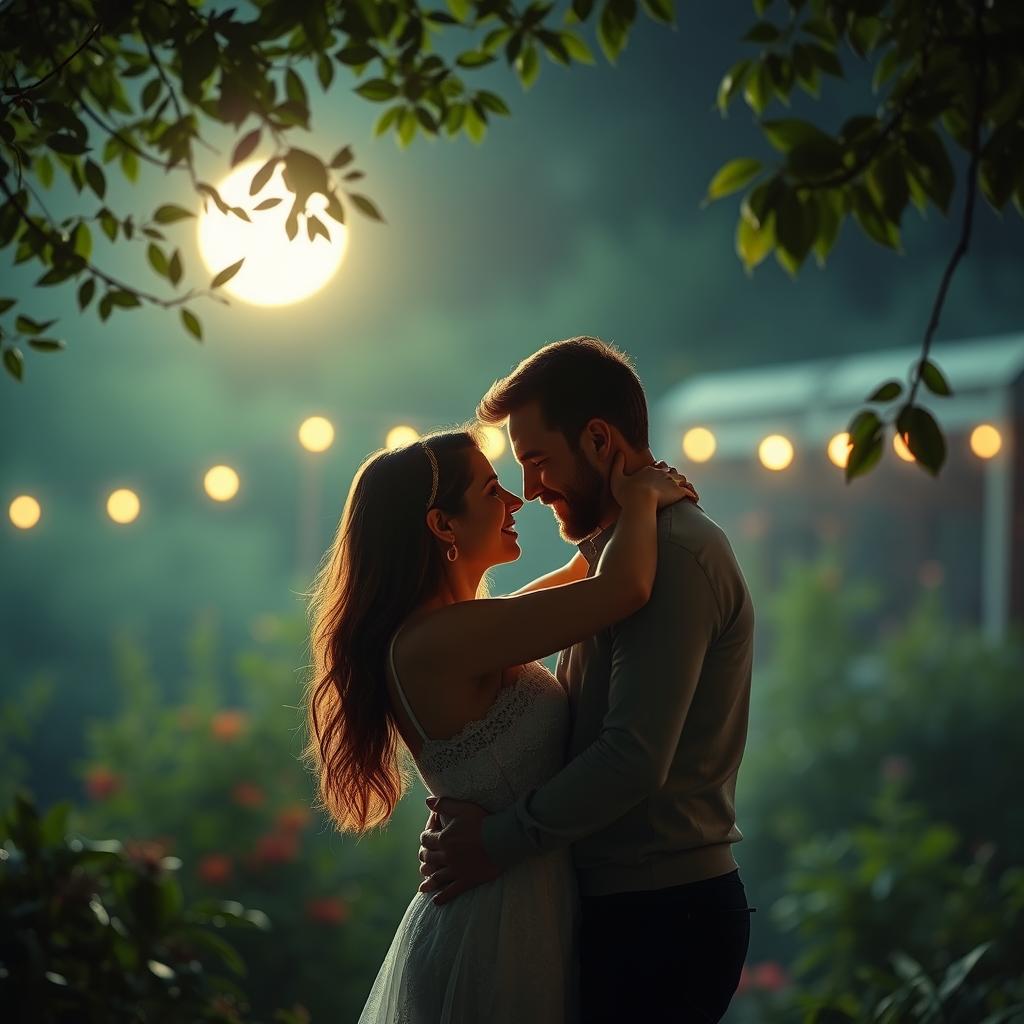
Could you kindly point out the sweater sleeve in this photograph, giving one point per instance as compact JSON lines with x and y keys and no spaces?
{"x":657,"y":655}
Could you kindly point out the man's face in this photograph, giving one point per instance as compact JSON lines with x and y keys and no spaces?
{"x":561,"y":477}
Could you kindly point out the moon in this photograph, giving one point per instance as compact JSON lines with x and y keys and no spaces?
{"x":276,"y":271}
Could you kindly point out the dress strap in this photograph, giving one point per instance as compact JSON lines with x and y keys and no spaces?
{"x":401,"y":692}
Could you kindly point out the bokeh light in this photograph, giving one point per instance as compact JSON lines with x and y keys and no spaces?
{"x":775,"y":452}
{"x":899,"y":446}
{"x":839,"y":449}
{"x":400,"y":436}
{"x":986,"y":441}
{"x":221,"y":483}
{"x":123,"y":506}
{"x":24,"y":512}
{"x":316,"y":434}
{"x":699,"y":444}
{"x":494,"y":443}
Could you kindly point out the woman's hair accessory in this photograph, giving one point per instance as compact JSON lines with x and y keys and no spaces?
{"x":433,"y":466}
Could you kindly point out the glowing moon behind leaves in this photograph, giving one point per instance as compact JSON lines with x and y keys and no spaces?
{"x":276,"y":271}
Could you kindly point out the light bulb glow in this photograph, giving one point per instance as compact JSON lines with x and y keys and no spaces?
{"x":123,"y":506}
{"x":316,"y":434}
{"x":221,"y":483}
{"x":24,"y":512}
{"x":986,"y":441}
{"x":839,"y":449}
{"x":775,"y":452}
{"x":899,"y":446}
{"x":400,"y":436}
{"x":699,"y":444}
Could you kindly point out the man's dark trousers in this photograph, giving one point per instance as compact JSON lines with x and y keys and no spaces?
{"x":664,"y":955}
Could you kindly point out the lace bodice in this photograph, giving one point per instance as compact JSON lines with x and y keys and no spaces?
{"x":516,"y":746}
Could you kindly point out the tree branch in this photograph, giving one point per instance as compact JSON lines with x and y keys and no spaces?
{"x":21,"y":90}
{"x":969,"y":201}
{"x":111,"y":282}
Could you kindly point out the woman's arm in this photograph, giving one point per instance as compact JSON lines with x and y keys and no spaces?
{"x":486,"y":635}
{"x":573,"y":570}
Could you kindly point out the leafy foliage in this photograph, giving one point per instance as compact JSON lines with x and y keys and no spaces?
{"x":946,"y":72}
{"x":92,"y":87}
{"x":94,"y":931}
{"x":101,"y":85}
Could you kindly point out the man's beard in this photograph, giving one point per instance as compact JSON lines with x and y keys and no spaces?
{"x":584,"y":504}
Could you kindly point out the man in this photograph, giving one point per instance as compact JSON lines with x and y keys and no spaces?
{"x":659,"y":705}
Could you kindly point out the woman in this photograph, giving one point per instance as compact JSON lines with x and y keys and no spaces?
{"x":406,"y":651}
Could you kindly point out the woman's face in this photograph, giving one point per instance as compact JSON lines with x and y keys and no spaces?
{"x":483,"y":531}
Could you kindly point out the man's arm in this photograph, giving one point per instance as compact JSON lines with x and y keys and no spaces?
{"x":657,"y":655}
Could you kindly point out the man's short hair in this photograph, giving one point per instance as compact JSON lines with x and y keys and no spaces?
{"x":574,"y":381}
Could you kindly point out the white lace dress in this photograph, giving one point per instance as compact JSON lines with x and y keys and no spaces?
{"x":504,"y":952}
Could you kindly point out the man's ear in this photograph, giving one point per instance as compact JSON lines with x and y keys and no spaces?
{"x":440,"y":525}
{"x":598,"y":436}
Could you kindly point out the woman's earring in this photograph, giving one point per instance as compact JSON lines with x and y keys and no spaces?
{"x":453,"y":553}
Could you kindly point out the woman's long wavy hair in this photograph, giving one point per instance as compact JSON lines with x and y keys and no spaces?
{"x":384,"y":562}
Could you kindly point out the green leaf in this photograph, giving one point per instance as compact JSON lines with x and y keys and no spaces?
{"x":732,"y":177}
{"x":753,"y":241}
{"x":757,"y":91}
{"x":864,"y":454}
{"x":763,"y":32}
{"x":324,"y":71}
{"x":26,"y":325}
{"x":96,"y":179}
{"x":826,"y":60}
{"x":931,"y":166}
{"x":151,"y":92}
{"x":576,"y":48}
{"x":887,"y":182}
{"x":934,"y":380}
{"x":366,"y":206}
{"x":86,"y":292}
{"x":14,"y":362}
{"x":245,"y":146}
{"x":225,"y":275}
{"x":872,"y":220}
{"x":356,"y":55}
{"x":192,"y":324}
{"x":169,"y":213}
{"x":174,"y":269}
{"x":474,"y":59}
{"x":124,"y":299}
{"x":661,"y":10}
{"x":69,"y":145}
{"x":46,"y":344}
{"x":157,"y":259}
{"x":730,"y":84}
{"x":377,"y":90}
{"x":493,"y":103}
{"x":267,"y":204}
{"x":6,"y":304}
{"x":886,"y":392}
{"x":44,"y":169}
{"x":528,"y":65}
{"x":461,"y":9}
{"x":923,"y":437}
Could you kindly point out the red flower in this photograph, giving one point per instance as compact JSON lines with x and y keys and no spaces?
{"x":101,"y":782}
{"x":770,"y":976}
{"x":276,"y":848}
{"x":215,"y":869}
{"x":293,"y":818}
{"x":327,"y":910}
{"x":229,"y":724}
{"x":248,"y":794}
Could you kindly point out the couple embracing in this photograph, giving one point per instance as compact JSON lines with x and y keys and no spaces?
{"x":577,"y":860}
